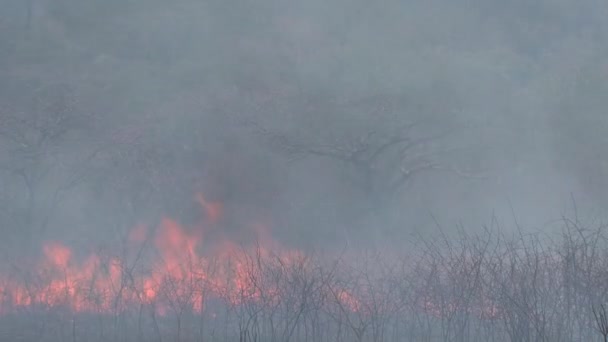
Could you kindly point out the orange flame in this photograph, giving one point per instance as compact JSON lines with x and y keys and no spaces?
{"x":177,"y":275}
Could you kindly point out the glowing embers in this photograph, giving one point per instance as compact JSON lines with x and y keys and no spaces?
{"x":169,"y":272}
{"x":60,"y":282}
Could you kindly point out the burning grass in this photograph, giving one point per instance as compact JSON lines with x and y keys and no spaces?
{"x":168,"y":283}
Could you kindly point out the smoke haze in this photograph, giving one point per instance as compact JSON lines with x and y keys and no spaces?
{"x":314,"y":124}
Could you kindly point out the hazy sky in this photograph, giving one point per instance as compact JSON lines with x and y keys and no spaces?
{"x":115,"y":112}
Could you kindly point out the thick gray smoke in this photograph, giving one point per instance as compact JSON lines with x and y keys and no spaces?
{"x":323,"y":124}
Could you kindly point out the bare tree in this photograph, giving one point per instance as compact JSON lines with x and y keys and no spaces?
{"x":381,"y":159}
{"x":41,"y":148}
{"x":601,"y":321}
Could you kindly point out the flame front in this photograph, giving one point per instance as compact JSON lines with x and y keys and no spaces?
{"x":172,"y":271}
{"x":179,"y":275}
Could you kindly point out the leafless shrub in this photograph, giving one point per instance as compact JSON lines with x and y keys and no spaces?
{"x":488,"y":286}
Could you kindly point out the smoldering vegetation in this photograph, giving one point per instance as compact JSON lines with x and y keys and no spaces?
{"x":488,"y":286}
{"x":204,"y":170}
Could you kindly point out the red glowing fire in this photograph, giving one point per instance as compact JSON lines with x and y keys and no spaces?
{"x":173,"y":268}
{"x":179,"y":273}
